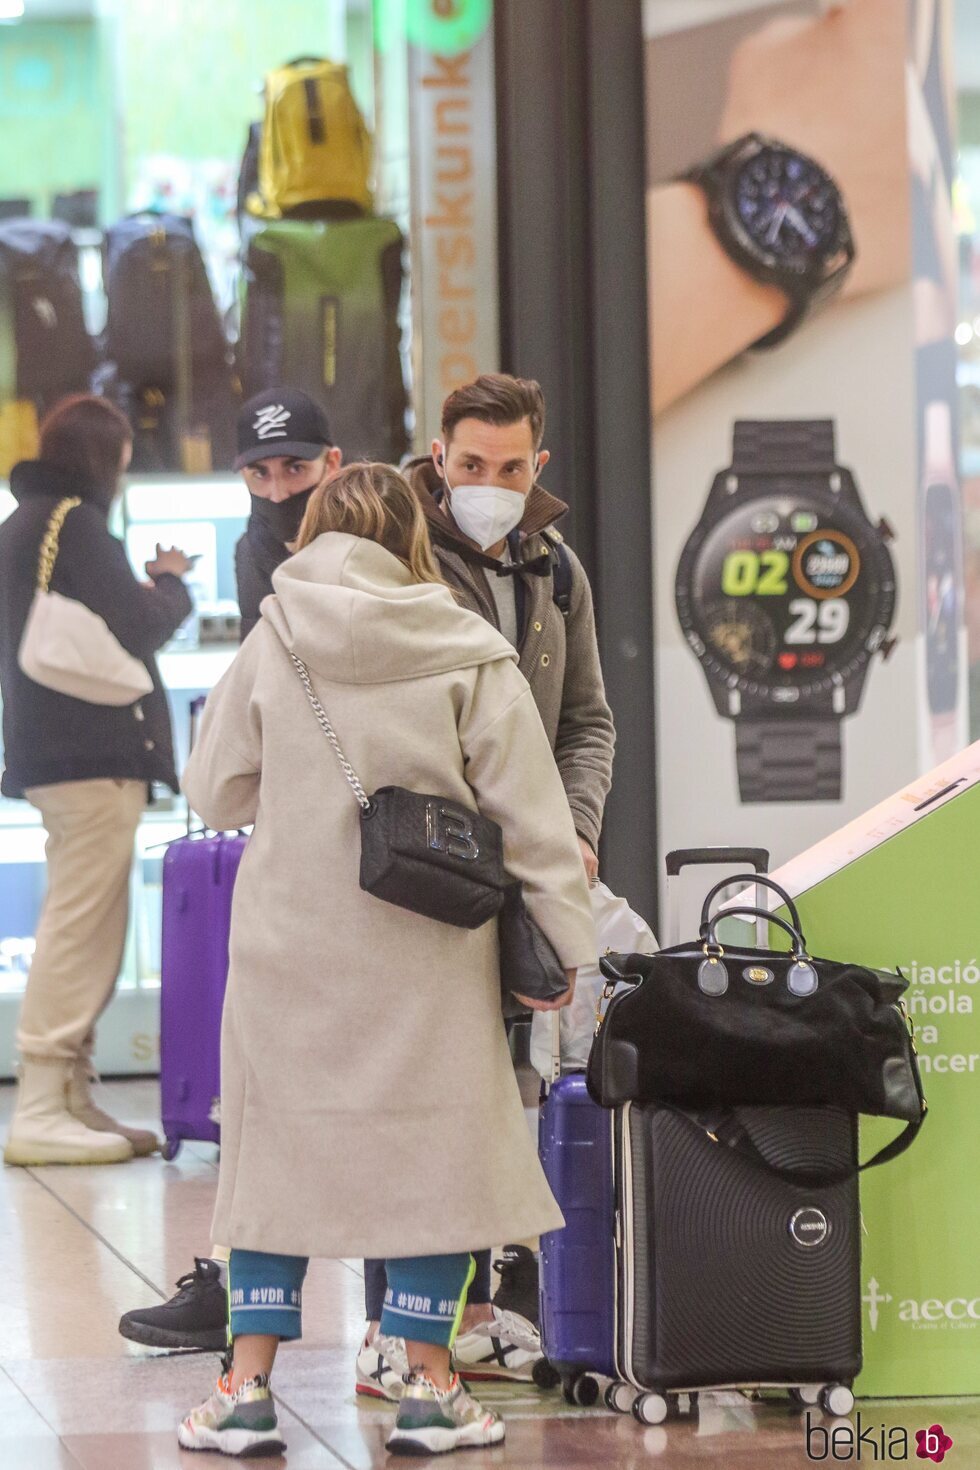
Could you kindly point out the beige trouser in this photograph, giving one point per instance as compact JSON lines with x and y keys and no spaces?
{"x":81,"y":934}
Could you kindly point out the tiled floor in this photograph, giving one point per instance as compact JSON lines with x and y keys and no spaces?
{"x":80,"y":1246}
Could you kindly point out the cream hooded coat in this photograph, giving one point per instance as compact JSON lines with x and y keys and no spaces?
{"x":368,"y":1102}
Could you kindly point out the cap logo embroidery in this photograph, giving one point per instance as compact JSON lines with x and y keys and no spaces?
{"x":270,"y":422}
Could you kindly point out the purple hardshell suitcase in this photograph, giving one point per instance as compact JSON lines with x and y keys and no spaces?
{"x":199,"y":873}
{"x":578,"y":1265}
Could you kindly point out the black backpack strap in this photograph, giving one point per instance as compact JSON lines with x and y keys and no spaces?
{"x":561,"y":573}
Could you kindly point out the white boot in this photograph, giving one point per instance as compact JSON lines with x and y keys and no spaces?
{"x":43,"y":1131}
{"x":83,"y":1106}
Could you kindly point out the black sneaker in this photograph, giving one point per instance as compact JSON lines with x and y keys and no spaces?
{"x":196,"y":1317}
{"x":518,"y":1289}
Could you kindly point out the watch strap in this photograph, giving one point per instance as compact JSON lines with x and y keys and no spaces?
{"x":788,"y":760}
{"x":782,"y":446}
{"x":801,"y":304}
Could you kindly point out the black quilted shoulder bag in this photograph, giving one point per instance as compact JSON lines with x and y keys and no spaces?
{"x":428,"y":854}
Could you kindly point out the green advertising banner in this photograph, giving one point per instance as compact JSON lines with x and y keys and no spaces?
{"x":901,"y":887}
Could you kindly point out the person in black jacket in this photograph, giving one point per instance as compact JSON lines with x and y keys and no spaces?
{"x":86,"y":767}
{"x":285,"y":451}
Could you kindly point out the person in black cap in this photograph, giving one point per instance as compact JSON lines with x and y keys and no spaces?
{"x":285,"y":450}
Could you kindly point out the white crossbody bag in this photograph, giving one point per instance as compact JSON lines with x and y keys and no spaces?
{"x":69,"y":648}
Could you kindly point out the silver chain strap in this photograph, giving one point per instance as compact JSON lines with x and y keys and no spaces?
{"x":328,"y":730}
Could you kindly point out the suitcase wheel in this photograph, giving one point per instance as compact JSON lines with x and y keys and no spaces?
{"x":651,"y":1408}
{"x":836,"y":1399}
{"x":582,"y":1390}
{"x":620,"y":1397}
{"x":806,"y":1396}
{"x":170,"y":1150}
{"x":545,"y":1374}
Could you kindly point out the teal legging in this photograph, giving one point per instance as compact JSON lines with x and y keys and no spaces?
{"x":424,"y":1302}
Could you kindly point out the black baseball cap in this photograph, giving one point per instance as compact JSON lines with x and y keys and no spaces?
{"x":281,"y":422}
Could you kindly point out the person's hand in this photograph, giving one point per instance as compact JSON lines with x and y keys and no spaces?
{"x":833,"y":86}
{"x":590,"y":860}
{"x":551,"y":1005}
{"x":169,"y":561}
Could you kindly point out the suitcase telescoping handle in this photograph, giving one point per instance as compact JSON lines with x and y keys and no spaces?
{"x":704,"y":857}
{"x":756,"y":858}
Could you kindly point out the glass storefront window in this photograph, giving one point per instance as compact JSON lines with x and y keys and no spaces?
{"x":119,"y":108}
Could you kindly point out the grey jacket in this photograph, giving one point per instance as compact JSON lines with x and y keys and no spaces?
{"x":559,"y":656}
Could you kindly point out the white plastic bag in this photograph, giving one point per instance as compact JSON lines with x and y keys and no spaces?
{"x":617,"y":928}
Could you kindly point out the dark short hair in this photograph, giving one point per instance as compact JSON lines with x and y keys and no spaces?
{"x":86,"y":436}
{"x":496,"y":398}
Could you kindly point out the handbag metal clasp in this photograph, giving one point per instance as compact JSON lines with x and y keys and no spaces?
{"x":910,"y":1024}
{"x":608,"y":991}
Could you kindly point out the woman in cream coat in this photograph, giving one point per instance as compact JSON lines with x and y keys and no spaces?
{"x":352,"y":1028}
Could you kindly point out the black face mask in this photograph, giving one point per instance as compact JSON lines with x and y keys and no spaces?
{"x":282,"y":518}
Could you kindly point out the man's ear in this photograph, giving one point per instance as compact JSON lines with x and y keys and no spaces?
{"x":335,"y":458}
{"x":438,"y":455}
{"x":543,"y":457}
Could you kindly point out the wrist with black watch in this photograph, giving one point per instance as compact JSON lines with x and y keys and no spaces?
{"x":785,"y":591}
{"x":780,"y":216}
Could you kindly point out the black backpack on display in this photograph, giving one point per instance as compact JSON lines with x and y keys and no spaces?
{"x":48,"y":350}
{"x":168,"y":360}
{"x":161,"y":306}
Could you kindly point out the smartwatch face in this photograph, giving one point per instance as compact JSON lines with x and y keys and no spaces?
{"x":786,"y":206}
{"x":942,"y":594}
{"x":787,"y":595}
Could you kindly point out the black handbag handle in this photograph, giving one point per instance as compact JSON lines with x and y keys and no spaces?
{"x":750,"y":879}
{"x":727,"y":1130}
{"x":709,"y":930}
{"x":611,"y":966}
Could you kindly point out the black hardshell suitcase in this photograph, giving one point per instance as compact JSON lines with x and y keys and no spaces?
{"x":729,"y":1276}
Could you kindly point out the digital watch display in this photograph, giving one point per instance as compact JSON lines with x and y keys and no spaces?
{"x":785,"y":591}
{"x":780,"y":600}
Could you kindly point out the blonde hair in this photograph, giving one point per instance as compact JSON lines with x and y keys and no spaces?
{"x":376,"y":502}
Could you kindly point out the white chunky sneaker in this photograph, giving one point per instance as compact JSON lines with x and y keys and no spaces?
{"x":433,"y":1421}
{"x":241,"y":1423}
{"x":381,"y":1368}
{"x":507,"y":1348}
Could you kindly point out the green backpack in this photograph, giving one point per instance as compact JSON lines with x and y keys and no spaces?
{"x":321,"y":312}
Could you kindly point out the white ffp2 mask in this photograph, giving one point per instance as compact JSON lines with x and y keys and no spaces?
{"x":485,"y":513}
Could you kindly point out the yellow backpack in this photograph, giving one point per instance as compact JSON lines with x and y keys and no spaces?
{"x":315,"y":146}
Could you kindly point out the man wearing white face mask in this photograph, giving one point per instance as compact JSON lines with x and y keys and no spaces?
{"x":493,"y":527}
{"x":493,"y":531}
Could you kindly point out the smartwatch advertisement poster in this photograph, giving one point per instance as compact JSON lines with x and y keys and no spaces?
{"x":789,"y":631}
{"x":807,"y":542}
